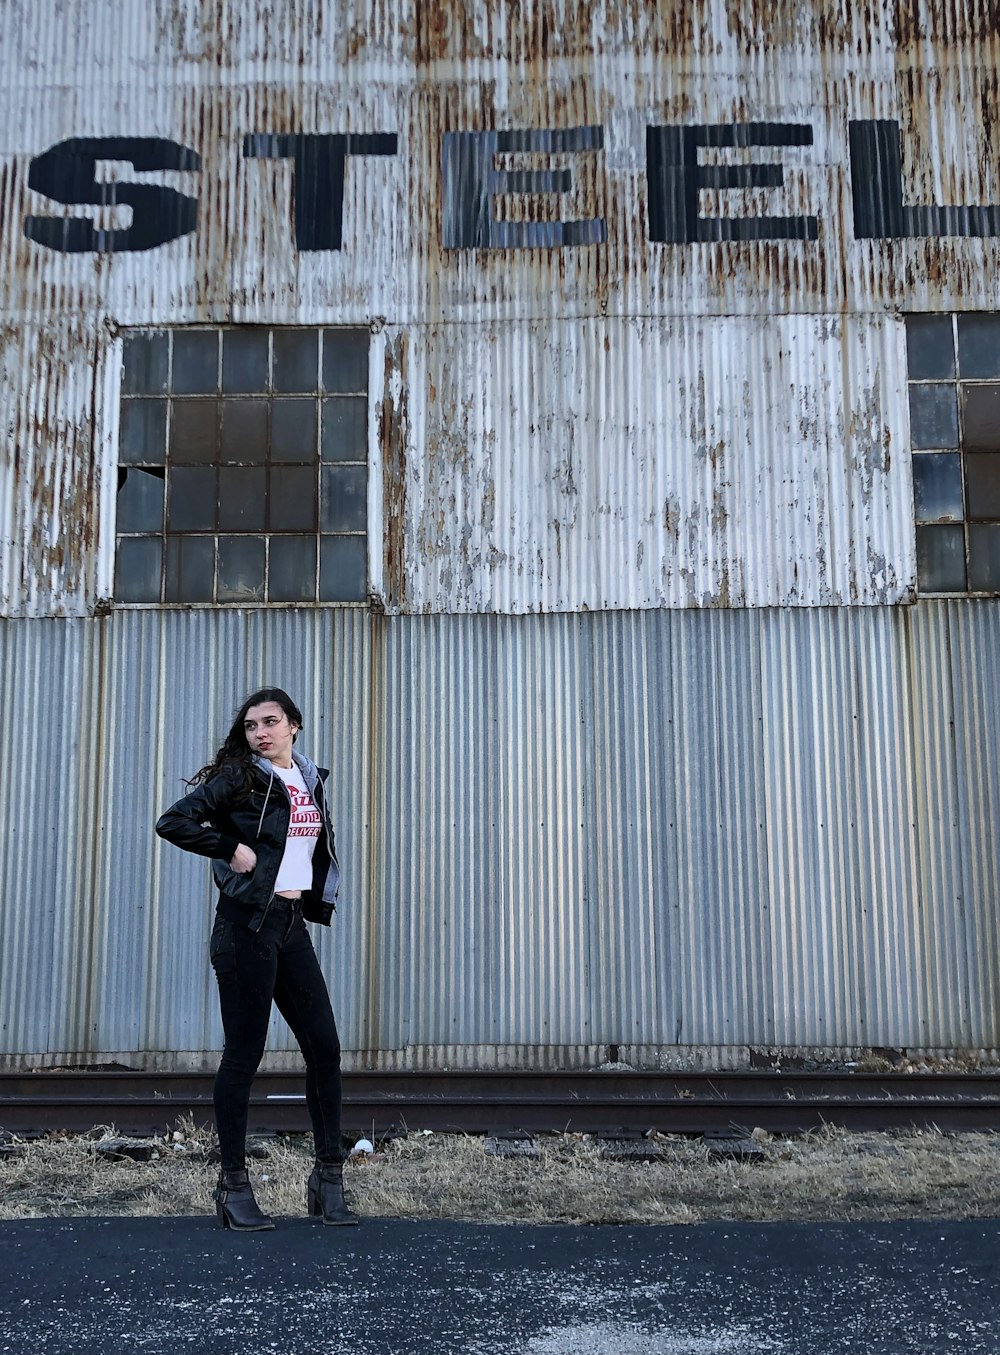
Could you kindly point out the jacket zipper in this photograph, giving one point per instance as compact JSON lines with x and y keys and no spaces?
{"x":263,"y":916}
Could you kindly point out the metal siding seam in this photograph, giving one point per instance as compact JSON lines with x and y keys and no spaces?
{"x":974,"y":632}
{"x":940,"y":964}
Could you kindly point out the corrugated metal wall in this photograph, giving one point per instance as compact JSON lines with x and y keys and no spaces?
{"x":667,"y":395}
{"x":721,"y":828}
{"x":624,"y":763}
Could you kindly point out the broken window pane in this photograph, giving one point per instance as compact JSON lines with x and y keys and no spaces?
{"x":941,"y":559}
{"x":241,"y":569}
{"x":981,"y":410}
{"x":933,"y":416}
{"x":291,"y":574}
{"x":142,"y":433}
{"x":245,"y":361}
{"x":978,"y":346}
{"x":345,"y":428}
{"x":937,"y":487}
{"x":145,"y":363}
{"x":194,"y":432}
{"x":191,"y":499}
{"x":292,"y":499}
{"x":930,"y":347}
{"x":137,"y":569}
{"x":196,"y":362}
{"x":344,"y":501}
{"x":190,"y":574}
{"x":984,"y":559}
{"x":293,"y":430}
{"x":345,"y":361}
{"x":242,"y":501}
{"x":342,"y":569}
{"x":244,"y":431}
{"x":140,"y":501}
{"x":296,"y":359}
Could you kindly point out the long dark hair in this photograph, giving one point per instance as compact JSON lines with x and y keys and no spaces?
{"x":235,"y":751}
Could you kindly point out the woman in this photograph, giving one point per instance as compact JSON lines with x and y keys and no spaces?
{"x":258,"y":809}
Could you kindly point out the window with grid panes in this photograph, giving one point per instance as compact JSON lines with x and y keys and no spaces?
{"x":242,"y":466}
{"x":953,"y":370}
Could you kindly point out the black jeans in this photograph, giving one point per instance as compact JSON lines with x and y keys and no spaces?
{"x":253,"y":968}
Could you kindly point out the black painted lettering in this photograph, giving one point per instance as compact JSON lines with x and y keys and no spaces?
{"x":319,"y":176}
{"x":675,"y":179}
{"x":471,"y":181}
{"x":877,"y":184}
{"x":67,"y":173}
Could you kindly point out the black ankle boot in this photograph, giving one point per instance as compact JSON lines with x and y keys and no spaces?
{"x":325,"y":1193}
{"x":236,"y":1207}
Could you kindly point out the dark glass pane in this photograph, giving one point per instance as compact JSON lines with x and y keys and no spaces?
{"x":244,"y":361}
{"x":978,"y":346}
{"x":344,"y":501}
{"x":144,"y":357}
{"x":196,"y":362}
{"x":142,"y":433}
{"x":293,"y":430}
{"x":194,"y":432}
{"x":984,"y":559}
{"x":342,"y":569}
{"x":140,"y":501}
{"x":296,"y":359}
{"x":241,"y":498}
{"x":292,"y":499}
{"x":190,"y":573}
{"x":241,"y":569}
{"x":345,"y":429}
{"x":930,"y":347}
{"x":933,"y":416}
{"x":982,"y":486}
{"x":137,"y":569}
{"x":191,"y":499}
{"x":941,"y":559}
{"x":291,"y":573}
{"x":244,"y":431}
{"x":981,"y":425}
{"x":937,"y":487}
{"x":345,"y":361}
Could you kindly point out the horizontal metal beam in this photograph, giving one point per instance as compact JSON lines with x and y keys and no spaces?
{"x":484,"y":1102}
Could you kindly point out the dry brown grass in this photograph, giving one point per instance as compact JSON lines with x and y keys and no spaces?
{"x":829,"y":1175}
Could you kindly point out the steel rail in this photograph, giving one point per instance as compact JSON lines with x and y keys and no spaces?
{"x":607,"y":1103}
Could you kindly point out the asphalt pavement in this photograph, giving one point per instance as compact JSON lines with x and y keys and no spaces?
{"x":130,"y":1286}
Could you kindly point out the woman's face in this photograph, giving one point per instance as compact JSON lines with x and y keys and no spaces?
{"x":269,"y":732}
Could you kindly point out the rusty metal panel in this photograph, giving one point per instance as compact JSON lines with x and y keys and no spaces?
{"x":51,"y":408}
{"x":686,"y":463}
{"x":670,"y":190}
{"x":207,"y":76}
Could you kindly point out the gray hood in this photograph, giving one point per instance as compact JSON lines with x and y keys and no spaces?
{"x":308,"y":768}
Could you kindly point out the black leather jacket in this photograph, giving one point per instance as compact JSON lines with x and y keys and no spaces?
{"x":212,"y":821}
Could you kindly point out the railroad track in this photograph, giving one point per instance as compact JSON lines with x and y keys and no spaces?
{"x":609,"y":1103}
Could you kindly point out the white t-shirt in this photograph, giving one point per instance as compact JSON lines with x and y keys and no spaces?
{"x":304,"y":827}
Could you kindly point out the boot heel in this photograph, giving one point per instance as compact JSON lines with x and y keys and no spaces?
{"x":325,"y":1194}
{"x":235,"y":1206}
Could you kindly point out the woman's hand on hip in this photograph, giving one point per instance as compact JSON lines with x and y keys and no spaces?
{"x":244,"y":860}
